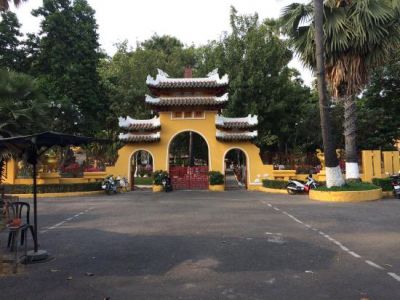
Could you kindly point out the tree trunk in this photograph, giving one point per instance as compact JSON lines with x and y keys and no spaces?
{"x":350,"y":119}
{"x":333,"y":174}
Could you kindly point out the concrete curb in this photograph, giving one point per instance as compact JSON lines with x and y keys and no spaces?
{"x":346,"y":196}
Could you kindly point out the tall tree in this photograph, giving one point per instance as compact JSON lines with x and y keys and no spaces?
{"x":359,"y":37}
{"x":67,"y":64}
{"x":11,"y":55}
{"x":333,"y":173}
{"x":256,"y":59}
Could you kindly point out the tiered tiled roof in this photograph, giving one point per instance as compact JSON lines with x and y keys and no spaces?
{"x":139,"y":137}
{"x":236,"y":136}
{"x":130,"y":124}
{"x":188,"y":101}
{"x":248,"y":122}
{"x":163,"y":80}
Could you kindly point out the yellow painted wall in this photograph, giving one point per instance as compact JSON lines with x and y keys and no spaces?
{"x":374,"y":168}
{"x":206,"y":128}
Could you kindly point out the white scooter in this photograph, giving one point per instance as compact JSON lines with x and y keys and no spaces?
{"x":296,"y":187}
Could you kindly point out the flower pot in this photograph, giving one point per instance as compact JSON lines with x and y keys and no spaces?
{"x":158,"y":188}
{"x":217,"y":187}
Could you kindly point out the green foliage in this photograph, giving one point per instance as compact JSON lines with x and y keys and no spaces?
{"x":159,"y":176}
{"x":359,"y":36}
{"x":11,"y":56}
{"x":274,"y":184}
{"x":21,"y":105}
{"x":384,"y":183}
{"x":67,"y":65}
{"x":124,"y":75}
{"x":256,"y":59}
{"x":215,"y":178}
{"x":379,"y":110}
{"x":350,"y":186}
{"x":52,"y":188}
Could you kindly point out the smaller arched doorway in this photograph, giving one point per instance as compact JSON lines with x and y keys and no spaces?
{"x":141,"y":168}
{"x":235,"y":163}
{"x":188,"y":161}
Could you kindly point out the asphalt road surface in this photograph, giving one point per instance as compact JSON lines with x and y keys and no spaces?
{"x":205,"y":245}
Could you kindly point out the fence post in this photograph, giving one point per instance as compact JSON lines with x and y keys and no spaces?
{"x":368,"y":169}
{"x":377,"y":161}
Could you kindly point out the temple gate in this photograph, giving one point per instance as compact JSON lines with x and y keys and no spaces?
{"x":194,"y":106}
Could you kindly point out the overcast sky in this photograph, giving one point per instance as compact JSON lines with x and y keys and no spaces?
{"x":191,"y":21}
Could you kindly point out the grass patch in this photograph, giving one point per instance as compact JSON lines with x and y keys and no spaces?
{"x":350,"y":186}
{"x":143,"y":181}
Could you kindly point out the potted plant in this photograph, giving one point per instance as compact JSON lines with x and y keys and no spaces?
{"x":158,"y":177}
{"x":216,"y":181}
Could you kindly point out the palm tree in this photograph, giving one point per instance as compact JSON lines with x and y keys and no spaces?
{"x":359,"y":35}
{"x":5,"y":5}
{"x":333,"y":173}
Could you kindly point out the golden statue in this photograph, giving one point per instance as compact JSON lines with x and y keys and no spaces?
{"x":321,"y":156}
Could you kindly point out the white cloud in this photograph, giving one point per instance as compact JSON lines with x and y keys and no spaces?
{"x":191,"y":21}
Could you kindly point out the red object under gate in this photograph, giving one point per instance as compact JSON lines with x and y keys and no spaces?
{"x":189,"y":178}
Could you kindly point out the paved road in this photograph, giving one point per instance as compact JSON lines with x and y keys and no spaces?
{"x":203,"y":245}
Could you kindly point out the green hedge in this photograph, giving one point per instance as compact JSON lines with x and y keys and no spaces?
{"x":215,"y":178}
{"x":384,"y":183}
{"x":350,"y":186}
{"x":52,"y":188}
{"x":275,"y":184}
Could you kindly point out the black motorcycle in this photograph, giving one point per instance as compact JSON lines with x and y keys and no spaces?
{"x":166,"y":182}
{"x":396,"y":185}
{"x":110,"y":185}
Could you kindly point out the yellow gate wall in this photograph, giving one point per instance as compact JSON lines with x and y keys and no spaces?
{"x":256,"y":170}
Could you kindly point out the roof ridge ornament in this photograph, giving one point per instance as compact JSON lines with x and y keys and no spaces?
{"x":161,"y":76}
{"x":128,"y":121}
{"x":162,"y":73}
{"x":211,"y":80}
{"x":213,"y":73}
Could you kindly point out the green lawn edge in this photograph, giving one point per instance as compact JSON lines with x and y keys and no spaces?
{"x":349,"y":187}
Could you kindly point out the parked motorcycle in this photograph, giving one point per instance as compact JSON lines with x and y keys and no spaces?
{"x":297,"y":187}
{"x":110,"y":185}
{"x":396,"y":185}
{"x":166,"y":182}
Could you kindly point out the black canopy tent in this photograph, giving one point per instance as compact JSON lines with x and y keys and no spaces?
{"x":32,"y":147}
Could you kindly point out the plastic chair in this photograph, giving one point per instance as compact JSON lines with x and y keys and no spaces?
{"x":15,"y":211}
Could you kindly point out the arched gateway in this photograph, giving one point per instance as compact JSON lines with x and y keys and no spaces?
{"x":188,"y":161}
{"x":189,"y":136}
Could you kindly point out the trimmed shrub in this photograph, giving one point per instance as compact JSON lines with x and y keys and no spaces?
{"x":52,"y":188}
{"x":384,"y":183}
{"x":275,"y":184}
{"x":159,"y":176}
{"x":215,"y":178}
{"x":350,"y":186}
